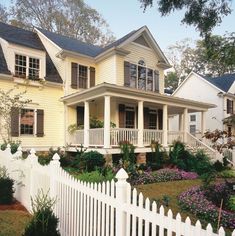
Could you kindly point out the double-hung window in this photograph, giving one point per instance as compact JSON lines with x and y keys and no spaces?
{"x":27,"y":122}
{"x":27,"y":67}
{"x":79,"y":76}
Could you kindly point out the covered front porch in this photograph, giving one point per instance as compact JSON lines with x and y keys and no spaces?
{"x":140,"y":117}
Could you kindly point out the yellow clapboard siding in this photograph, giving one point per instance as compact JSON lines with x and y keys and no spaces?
{"x":46,"y":98}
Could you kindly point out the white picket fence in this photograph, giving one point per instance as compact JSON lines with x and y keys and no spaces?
{"x":107,"y":209}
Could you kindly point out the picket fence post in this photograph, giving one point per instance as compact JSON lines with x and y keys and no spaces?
{"x":54,"y":167}
{"x":121,"y":196}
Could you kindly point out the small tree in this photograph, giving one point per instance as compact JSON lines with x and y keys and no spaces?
{"x":9,"y":103}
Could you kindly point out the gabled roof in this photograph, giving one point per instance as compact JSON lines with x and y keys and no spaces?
{"x":3,"y":64}
{"x":71,"y":44}
{"x":223,"y":82}
{"x":77,"y":46}
{"x":28,"y":39}
{"x":20,"y":36}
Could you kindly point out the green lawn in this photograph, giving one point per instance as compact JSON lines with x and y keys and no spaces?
{"x":171,"y":189}
{"x":12,"y":222}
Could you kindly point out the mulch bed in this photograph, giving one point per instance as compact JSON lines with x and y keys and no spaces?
{"x":14,"y":206}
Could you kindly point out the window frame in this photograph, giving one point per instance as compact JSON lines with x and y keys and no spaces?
{"x":190,"y":126}
{"x":194,"y":119}
{"x":137,"y":76}
{"x":34,"y":122}
{"x":27,"y":66}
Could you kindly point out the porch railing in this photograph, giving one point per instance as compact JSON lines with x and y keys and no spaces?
{"x":123,"y":134}
{"x":151,"y":134}
{"x":175,"y":135}
{"x":77,"y":137}
{"x":96,"y":137}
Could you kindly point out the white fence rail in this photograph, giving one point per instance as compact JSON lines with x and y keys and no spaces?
{"x":123,"y":134}
{"x":107,"y":209}
{"x":150,"y":134}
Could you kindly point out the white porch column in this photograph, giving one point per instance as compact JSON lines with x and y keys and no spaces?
{"x":185,"y":128}
{"x":181,"y":122}
{"x":140,"y":123}
{"x":203,"y":122}
{"x":106,"y":121}
{"x":164,"y":125}
{"x":86,"y":124}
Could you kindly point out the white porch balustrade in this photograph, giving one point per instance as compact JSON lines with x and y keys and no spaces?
{"x":77,"y":137}
{"x":96,"y":137}
{"x":175,"y":135}
{"x":122,"y":134}
{"x":151,"y":134}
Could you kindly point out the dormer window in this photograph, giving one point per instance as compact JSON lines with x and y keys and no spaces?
{"x":27,"y":67}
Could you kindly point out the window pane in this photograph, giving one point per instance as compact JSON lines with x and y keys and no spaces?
{"x":82,"y":76}
{"x":133,"y":73}
{"x":26,"y":121}
{"x":33,"y":68}
{"x":192,"y":129}
{"x":141,"y":78}
{"x":152,"y":121}
{"x":20,"y":66}
{"x":130,"y":119}
{"x":150,"y":80}
{"x":193,"y":118}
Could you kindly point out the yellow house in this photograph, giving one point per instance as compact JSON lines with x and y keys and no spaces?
{"x":121,"y":85}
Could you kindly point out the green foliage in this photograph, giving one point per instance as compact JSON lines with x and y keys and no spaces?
{"x":44,"y":221}
{"x":45,"y":158}
{"x":96,"y":176}
{"x":14,"y":145}
{"x":231,"y":203}
{"x":166,"y":200}
{"x":10,"y":101}
{"x":158,"y":157}
{"x":90,"y":161}
{"x":208,"y":178}
{"x":6,"y":187}
{"x":96,"y":123}
{"x":203,"y":15}
{"x":218,"y":166}
{"x":227,"y":174}
{"x":74,"y":18}
{"x":172,"y":80}
{"x":184,"y":160}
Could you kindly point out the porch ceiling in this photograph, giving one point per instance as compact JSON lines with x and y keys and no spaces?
{"x":175,"y":104}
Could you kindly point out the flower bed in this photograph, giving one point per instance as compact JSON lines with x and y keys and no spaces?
{"x":196,"y":202}
{"x":163,"y":175}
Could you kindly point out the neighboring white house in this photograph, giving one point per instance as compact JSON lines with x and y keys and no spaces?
{"x":219,"y":91}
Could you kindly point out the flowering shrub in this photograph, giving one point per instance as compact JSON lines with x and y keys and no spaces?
{"x":196,"y":202}
{"x":163,"y":175}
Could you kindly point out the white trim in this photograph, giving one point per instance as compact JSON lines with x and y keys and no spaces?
{"x":40,"y":33}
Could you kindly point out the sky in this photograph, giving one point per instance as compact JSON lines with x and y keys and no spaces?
{"x":124,"y":16}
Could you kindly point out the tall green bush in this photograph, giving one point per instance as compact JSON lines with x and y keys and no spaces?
{"x":90,"y":161}
{"x":44,"y":221}
{"x":6,"y":187}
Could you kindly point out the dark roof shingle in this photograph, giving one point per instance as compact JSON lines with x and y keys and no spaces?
{"x":223,"y":82}
{"x":29,"y":39}
{"x":3,"y":64}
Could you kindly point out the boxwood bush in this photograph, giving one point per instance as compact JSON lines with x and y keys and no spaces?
{"x":6,"y":187}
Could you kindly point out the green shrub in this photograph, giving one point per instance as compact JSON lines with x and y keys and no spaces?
{"x":14,"y":145}
{"x":218,"y":166}
{"x":6,"y":187}
{"x":202,"y":163}
{"x":90,"y":161}
{"x":96,"y":176}
{"x":158,"y":157}
{"x":46,"y":157}
{"x":227,"y":174}
{"x":44,"y":222}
